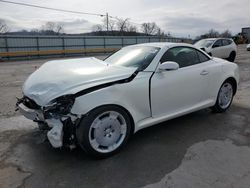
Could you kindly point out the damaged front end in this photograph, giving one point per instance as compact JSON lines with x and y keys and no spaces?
{"x":50,"y":93}
{"x":55,"y":118}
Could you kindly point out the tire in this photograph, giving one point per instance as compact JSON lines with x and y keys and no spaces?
{"x":231,"y":57}
{"x":224,"y":100}
{"x":104,"y":131}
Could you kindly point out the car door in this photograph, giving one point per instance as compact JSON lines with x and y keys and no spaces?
{"x":218,"y":50}
{"x":182,"y":89}
{"x":227,"y":46}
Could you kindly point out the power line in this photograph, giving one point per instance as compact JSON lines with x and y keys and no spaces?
{"x":64,"y":10}
{"x":49,"y":8}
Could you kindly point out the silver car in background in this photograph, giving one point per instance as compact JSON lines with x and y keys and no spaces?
{"x":218,"y":47}
{"x":248,"y":47}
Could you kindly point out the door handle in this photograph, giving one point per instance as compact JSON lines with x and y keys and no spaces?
{"x":204,"y":72}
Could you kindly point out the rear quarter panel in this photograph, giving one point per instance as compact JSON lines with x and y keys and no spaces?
{"x":222,"y":71}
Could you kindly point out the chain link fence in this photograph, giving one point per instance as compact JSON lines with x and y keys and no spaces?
{"x":27,"y":47}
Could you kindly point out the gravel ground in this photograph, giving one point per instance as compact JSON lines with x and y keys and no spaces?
{"x":201,"y":149}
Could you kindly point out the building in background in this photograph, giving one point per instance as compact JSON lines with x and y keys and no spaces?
{"x":246,"y":32}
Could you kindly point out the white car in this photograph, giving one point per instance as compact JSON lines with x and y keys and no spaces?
{"x":248,"y":47}
{"x":218,"y":47}
{"x":100,"y":104}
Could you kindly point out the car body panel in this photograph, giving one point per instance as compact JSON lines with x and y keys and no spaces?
{"x":57,"y":78}
{"x":248,"y":47}
{"x":224,"y":50}
{"x":151,"y":96}
{"x":171,"y":90}
{"x":133,"y":96}
{"x":159,"y":119}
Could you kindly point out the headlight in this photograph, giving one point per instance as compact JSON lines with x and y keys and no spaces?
{"x":61,"y":105}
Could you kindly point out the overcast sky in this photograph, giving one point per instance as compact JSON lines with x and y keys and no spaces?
{"x":179,"y":17}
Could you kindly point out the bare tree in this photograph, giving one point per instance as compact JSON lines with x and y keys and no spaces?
{"x":49,"y":26}
{"x":149,"y":28}
{"x":101,"y":27}
{"x":226,"y":34}
{"x":213,"y":34}
{"x":52,"y":28}
{"x":160,"y":33}
{"x":3,"y":27}
{"x":34,"y":30}
{"x":132,"y":28}
{"x":111,"y":24}
{"x":59,"y":29}
{"x":122,"y":25}
{"x":97,"y":27}
{"x":116,"y":26}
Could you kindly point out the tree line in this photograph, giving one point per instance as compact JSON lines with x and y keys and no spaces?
{"x":49,"y":28}
{"x":212,"y":33}
{"x":125,"y":27}
{"x":112,"y":27}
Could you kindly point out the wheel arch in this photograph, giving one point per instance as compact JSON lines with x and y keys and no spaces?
{"x":234,"y":82}
{"x":233,"y":51}
{"x":119,"y":106}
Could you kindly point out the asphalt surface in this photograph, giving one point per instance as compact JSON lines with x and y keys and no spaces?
{"x":155,"y":154}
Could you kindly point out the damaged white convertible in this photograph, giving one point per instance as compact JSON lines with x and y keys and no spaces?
{"x":100,"y":104}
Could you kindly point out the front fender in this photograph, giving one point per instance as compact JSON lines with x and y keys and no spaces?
{"x":231,"y":70}
{"x":133,"y":96}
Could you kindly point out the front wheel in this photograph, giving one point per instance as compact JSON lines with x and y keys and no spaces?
{"x":104,"y":131}
{"x":224,"y":98}
{"x":232,"y":56}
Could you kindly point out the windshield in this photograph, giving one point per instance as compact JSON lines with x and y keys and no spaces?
{"x":204,"y":43}
{"x":134,"y":56}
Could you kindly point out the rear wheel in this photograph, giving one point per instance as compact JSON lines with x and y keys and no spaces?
{"x":224,"y":98}
{"x":232,"y":56}
{"x":104,"y":131}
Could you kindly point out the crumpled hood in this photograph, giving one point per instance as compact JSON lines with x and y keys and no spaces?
{"x":60,"y":77}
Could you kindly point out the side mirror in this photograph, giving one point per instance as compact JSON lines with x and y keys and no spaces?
{"x":168,"y":66}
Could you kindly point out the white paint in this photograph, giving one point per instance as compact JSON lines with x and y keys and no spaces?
{"x":59,"y":77}
{"x":217,"y":164}
{"x":248,"y":47}
{"x":222,"y":51}
{"x":55,"y":135}
{"x":173,"y":93}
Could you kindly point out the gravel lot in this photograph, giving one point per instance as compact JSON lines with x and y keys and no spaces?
{"x":201,"y":149}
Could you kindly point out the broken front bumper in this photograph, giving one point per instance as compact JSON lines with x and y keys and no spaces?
{"x":32,"y":114}
{"x":55,"y":134}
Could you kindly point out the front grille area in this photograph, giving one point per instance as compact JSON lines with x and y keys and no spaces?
{"x":30,"y":103}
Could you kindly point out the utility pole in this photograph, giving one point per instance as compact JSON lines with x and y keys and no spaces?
{"x":107,"y":17}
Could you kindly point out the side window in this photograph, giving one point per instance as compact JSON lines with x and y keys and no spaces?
{"x":218,"y":43}
{"x":184,"y":56}
{"x":203,"y":58}
{"x":226,"y":42}
{"x":230,"y":42}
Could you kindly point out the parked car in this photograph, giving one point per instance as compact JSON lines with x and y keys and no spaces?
{"x":100,"y":104}
{"x":218,"y":47}
{"x":248,"y":47}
